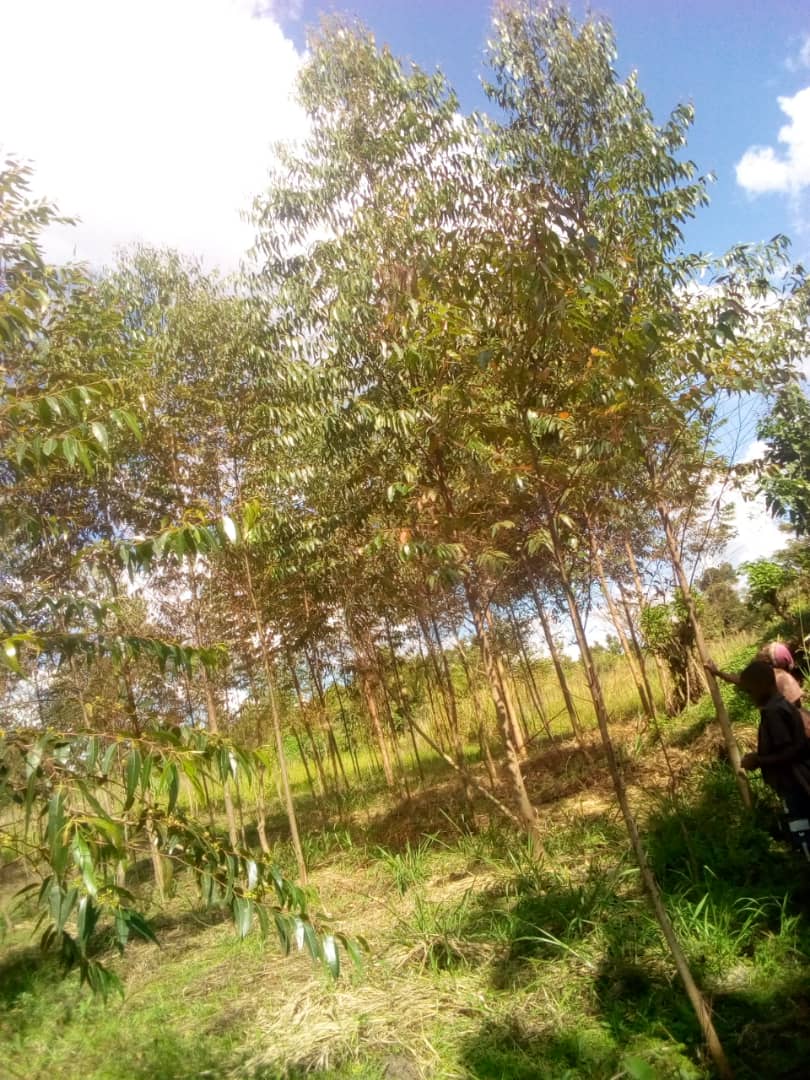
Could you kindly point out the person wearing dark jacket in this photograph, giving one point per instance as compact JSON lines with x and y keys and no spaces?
{"x":783,"y":749}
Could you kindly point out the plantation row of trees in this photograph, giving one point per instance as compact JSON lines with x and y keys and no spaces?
{"x":471,"y":386}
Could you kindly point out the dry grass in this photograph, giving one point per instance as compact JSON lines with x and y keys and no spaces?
{"x":319,"y":1026}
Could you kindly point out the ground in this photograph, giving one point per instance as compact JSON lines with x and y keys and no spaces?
{"x":484,"y":961}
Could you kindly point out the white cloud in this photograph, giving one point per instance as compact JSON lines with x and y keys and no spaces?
{"x":802,"y":58}
{"x":762,"y":169}
{"x":152,"y":121}
{"x":758,"y":533}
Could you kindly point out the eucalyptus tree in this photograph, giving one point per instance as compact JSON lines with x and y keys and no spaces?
{"x":79,"y":805}
{"x":354,"y":225}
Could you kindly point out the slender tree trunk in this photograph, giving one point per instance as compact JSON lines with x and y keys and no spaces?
{"x":663,"y":678}
{"x":526,"y":811}
{"x":646,"y":702}
{"x":721,"y":712}
{"x":556,"y":660}
{"x":210,"y":704}
{"x":635,"y":644}
{"x":302,"y":712}
{"x":261,"y":806}
{"x":334,"y":749}
{"x":434,"y":663}
{"x":446,"y":685}
{"x":261,"y":812}
{"x":696,"y":998}
{"x":213,"y":727}
{"x":481,"y":730}
{"x":404,"y":707}
{"x":367,"y":679}
{"x":534,"y":689}
{"x":276,"y":719}
{"x":346,"y":733}
{"x":158,"y":869}
{"x":518,"y":735}
{"x":440,"y":729}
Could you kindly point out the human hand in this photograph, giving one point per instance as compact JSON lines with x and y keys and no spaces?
{"x":750,"y":761}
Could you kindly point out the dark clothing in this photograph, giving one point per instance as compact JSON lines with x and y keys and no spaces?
{"x":797,"y":803}
{"x":782,"y":745}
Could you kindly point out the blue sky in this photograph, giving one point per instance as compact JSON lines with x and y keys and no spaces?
{"x":731,"y":58}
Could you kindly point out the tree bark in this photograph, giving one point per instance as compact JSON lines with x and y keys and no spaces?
{"x":557,"y":662}
{"x":526,"y":811}
{"x":518,"y":734}
{"x":276,"y":720}
{"x":696,"y":998}
{"x":647,"y":703}
{"x":534,"y":689}
{"x":367,"y":679}
{"x":663,"y":678}
{"x":721,"y":712}
{"x":404,"y":707}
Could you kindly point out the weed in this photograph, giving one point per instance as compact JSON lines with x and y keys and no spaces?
{"x":408,"y":867}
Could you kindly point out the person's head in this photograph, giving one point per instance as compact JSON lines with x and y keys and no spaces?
{"x":780,"y":655}
{"x":758,"y":680}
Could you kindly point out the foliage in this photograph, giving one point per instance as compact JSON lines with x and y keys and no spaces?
{"x":765,"y":579}
{"x":725,"y":610}
{"x":86,"y":807}
{"x":785,"y":474}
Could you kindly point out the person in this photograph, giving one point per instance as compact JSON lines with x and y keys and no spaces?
{"x":783,"y":749}
{"x":780,"y":659}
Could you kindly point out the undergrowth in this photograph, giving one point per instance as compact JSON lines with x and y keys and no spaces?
{"x":485,"y":962}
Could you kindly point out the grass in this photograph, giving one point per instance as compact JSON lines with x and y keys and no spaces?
{"x":485,"y":963}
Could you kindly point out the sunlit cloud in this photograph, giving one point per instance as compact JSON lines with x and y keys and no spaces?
{"x":151,"y":121}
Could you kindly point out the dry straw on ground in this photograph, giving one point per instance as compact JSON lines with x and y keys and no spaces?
{"x":319,"y":1026}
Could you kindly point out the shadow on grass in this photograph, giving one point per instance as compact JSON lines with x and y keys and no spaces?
{"x":740,"y":903}
{"x":22,"y":970}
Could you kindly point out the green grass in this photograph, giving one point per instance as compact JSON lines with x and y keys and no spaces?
{"x":485,"y":962}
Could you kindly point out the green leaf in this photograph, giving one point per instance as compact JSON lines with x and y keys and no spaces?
{"x":107,"y":760}
{"x":638,"y":1069}
{"x":242,"y":915}
{"x":86,"y":920}
{"x":174,"y":786}
{"x":139,"y":925}
{"x":84,"y":860}
{"x":330,"y":954}
{"x":133,"y":776}
{"x":100,"y":435}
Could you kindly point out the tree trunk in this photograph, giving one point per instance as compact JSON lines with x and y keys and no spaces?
{"x":696,"y":998}
{"x":302,"y":712}
{"x":445,"y":680}
{"x":646,"y":701}
{"x":334,"y":749}
{"x":213,"y":727}
{"x":663,"y":678}
{"x":534,"y":689}
{"x":721,"y":712}
{"x":276,"y":719}
{"x":481,"y":729}
{"x":557,"y":662}
{"x":439,"y":728}
{"x":518,"y":735}
{"x":346,"y":733}
{"x":367,"y":679}
{"x":526,"y":811}
{"x":635,"y":644}
{"x":404,"y":707}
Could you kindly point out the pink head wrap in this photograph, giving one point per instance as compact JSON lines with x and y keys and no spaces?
{"x":780,"y":655}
